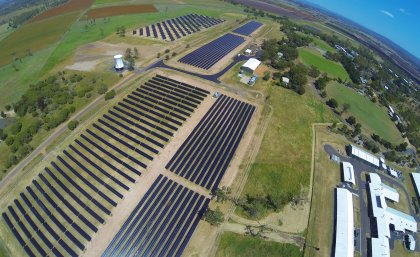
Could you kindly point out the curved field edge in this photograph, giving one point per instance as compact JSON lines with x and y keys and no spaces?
{"x":311,"y":57}
{"x":235,"y":245}
{"x":371,"y":116}
{"x":282,"y":168}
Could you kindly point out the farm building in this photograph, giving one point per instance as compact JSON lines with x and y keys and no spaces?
{"x":348,"y":172}
{"x":251,"y":65}
{"x":118,"y":62}
{"x":385,"y":216}
{"x":365,"y":156}
{"x":344,"y":236}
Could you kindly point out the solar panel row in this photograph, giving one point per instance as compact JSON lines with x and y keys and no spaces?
{"x":179,"y":27}
{"x":208,"y":55}
{"x":205,"y":156}
{"x":162,"y":223}
{"x":248,"y":28}
{"x":63,"y":207}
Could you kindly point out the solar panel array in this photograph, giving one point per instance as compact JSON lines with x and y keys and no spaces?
{"x":206,"y":154}
{"x":177,"y":28}
{"x":248,"y":28}
{"x":208,"y":55}
{"x":64,"y":206}
{"x":162,"y":222}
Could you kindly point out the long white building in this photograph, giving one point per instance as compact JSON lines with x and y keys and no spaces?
{"x":344,"y":236}
{"x":385,"y":216}
{"x":364,"y":155}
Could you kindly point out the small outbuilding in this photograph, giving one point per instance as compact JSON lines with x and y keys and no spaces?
{"x":285,"y":80}
{"x":251,"y":65}
{"x":248,"y":51}
{"x":348,"y":173}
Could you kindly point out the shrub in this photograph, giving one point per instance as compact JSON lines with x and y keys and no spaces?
{"x":72,"y":124}
{"x":109,"y":95}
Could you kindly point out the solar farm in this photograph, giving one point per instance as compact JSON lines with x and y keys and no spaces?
{"x":162,"y":223}
{"x":208,"y":55}
{"x":66,"y":205}
{"x":179,"y":27}
{"x":248,"y":28}
{"x":206,"y":154}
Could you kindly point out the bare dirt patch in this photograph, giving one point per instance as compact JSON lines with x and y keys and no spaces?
{"x":119,"y":10}
{"x":100,"y":54}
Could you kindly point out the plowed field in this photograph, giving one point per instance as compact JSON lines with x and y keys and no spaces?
{"x":70,"y":6}
{"x":119,"y":10}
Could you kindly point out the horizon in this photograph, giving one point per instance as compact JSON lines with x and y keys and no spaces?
{"x":392,"y":20}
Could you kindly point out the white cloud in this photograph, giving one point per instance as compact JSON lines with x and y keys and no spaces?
{"x":387,"y":13}
{"x":403,"y":11}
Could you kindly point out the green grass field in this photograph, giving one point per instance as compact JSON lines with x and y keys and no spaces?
{"x":34,"y":36}
{"x":323,"y":45}
{"x":370,"y":115}
{"x":235,"y":245}
{"x":311,"y":57}
{"x":14,"y":83}
{"x":282,"y":167}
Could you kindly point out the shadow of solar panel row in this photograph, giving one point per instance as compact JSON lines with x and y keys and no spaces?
{"x":178,"y":27}
{"x":206,"y":154}
{"x":162,"y":223}
{"x":248,"y":28}
{"x":208,"y":55}
{"x":61,"y":210}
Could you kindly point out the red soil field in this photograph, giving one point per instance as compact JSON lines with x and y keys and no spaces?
{"x":119,"y":10}
{"x":70,"y":6}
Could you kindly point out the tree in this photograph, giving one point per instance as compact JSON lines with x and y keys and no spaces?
{"x":332,"y":103}
{"x":102,"y":89}
{"x":136,"y":52}
{"x":8,"y":107}
{"x":346,"y":107}
{"x":122,"y":31}
{"x":267,"y":75}
{"x":110,"y":94}
{"x":314,"y":72}
{"x":72,"y":124}
{"x":401,"y":147}
{"x":128,"y":54}
{"x":351,"y":120}
{"x":214,"y":217}
{"x":131,"y":63}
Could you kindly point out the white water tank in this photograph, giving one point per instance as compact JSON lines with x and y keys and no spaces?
{"x":118,"y":62}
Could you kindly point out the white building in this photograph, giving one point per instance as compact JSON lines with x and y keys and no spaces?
{"x":364,"y":155}
{"x":248,"y":51}
{"x":251,"y":65}
{"x":385,"y":216}
{"x":348,"y":173}
{"x":285,"y":80}
{"x":416,"y":182}
{"x":344,"y":236}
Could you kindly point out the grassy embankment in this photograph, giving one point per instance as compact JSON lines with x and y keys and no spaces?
{"x":282,"y":167}
{"x":232,"y":245}
{"x":373,"y":118}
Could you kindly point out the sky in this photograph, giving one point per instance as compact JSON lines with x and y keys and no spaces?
{"x":398,"y":20}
